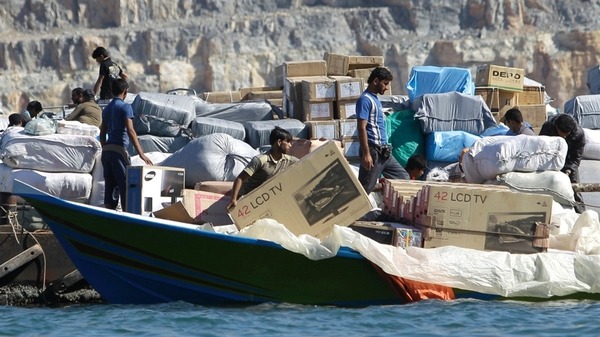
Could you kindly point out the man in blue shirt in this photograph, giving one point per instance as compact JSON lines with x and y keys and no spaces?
{"x":116,"y":131}
{"x":375,"y":151}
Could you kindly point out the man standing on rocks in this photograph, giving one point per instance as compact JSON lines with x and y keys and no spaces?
{"x":375,"y":150}
{"x":109,"y":72}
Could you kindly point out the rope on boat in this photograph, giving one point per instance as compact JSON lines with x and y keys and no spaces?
{"x":14,"y":224}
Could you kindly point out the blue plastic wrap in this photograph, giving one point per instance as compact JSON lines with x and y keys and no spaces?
{"x":437,"y":80}
{"x":446,"y":146}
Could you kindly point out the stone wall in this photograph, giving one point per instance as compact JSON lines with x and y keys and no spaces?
{"x":46,"y":45}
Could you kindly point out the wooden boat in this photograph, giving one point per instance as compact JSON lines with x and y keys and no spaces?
{"x":134,"y":259}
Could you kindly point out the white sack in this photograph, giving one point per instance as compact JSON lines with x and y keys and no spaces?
{"x":68,"y":186}
{"x":592,"y":144}
{"x":553,"y":183}
{"x":216,"y":157}
{"x":50,"y":153}
{"x":491,"y":156}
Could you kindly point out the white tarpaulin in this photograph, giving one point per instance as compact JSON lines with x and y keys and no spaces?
{"x":556,"y":273}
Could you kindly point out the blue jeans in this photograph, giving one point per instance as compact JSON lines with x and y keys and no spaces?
{"x":386,"y":165}
{"x":115,"y":176}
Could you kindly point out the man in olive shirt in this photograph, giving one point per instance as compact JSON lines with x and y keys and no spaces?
{"x":86,"y":111}
{"x":264,"y":166}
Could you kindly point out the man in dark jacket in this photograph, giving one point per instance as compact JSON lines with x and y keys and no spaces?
{"x":565,"y":126}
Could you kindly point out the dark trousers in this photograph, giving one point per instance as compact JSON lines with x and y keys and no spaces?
{"x":579,"y":205}
{"x":383,"y":164}
{"x":115,"y":176}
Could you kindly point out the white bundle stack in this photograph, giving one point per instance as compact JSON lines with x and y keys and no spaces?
{"x":69,"y":186}
{"x":49,"y":153}
{"x":491,"y":156}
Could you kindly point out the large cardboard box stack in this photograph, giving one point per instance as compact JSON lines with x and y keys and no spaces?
{"x":318,"y":95}
{"x":293,"y":75}
{"x":484,"y":218}
{"x":502,"y":88}
{"x":150,"y":188}
{"x":309,"y":197}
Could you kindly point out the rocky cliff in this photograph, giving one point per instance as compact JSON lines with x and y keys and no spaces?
{"x":46,"y":45}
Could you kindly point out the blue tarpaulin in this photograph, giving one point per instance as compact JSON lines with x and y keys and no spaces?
{"x":438,"y":80}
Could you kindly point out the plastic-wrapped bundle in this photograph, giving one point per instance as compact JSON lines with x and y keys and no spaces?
{"x":432,"y":80}
{"x":162,"y":114}
{"x":216,"y":157}
{"x":50,"y":153}
{"x":65,"y":185}
{"x":491,"y":156}
{"x":235,"y":112}
{"x":202,"y":126}
{"x":258,"y":132}
{"x":453,"y":112}
{"x":585,"y":110}
{"x":554,"y":183}
{"x":150,"y":143}
{"x":447,"y":146}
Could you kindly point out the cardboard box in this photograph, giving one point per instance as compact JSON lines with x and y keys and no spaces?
{"x":323,"y":129}
{"x":347,"y":88}
{"x":501,"y":77}
{"x":485,"y":219}
{"x":309,"y":197}
{"x":250,"y":93}
{"x":535,"y":115}
{"x":344,"y":109}
{"x":532,"y":96}
{"x":221,"y":187}
{"x":361,"y":62}
{"x":198,"y":207}
{"x":390,"y":233}
{"x":318,"y":89}
{"x":496,"y":99}
{"x":221,"y":96}
{"x":316,"y":111}
{"x":351,"y":148}
{"x":305,"y":68}
{"x":337,"y":64}
{"x":361,"y":73}
{"x":150,"y":188}
{"x":348,"y":128}
{"x":375,"y":231}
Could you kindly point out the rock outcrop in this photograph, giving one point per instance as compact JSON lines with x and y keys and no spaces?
{"x":46,"y":45}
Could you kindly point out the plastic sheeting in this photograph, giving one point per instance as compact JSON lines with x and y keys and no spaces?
{"x":69,"y":186}
{"x":491,"y":156}
{"x":235,"y":112}
{"x":258,"y":132}
{"x":437,"y":80}
{"x":162,"y":114}
{"x":585,"y":110}
{"x":50,"y":153}
{"x":151,"y":143}
{"x":542,"y":275}
{"x":453,"y":112}
{"x":405,"y":135}
{"x":592,"y":144}
{"x":447,"y":146}
{"x":202,"y":126}
{"x":216,"y":157}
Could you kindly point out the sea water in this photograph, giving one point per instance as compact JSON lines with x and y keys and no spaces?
{"x":426,"y":318}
